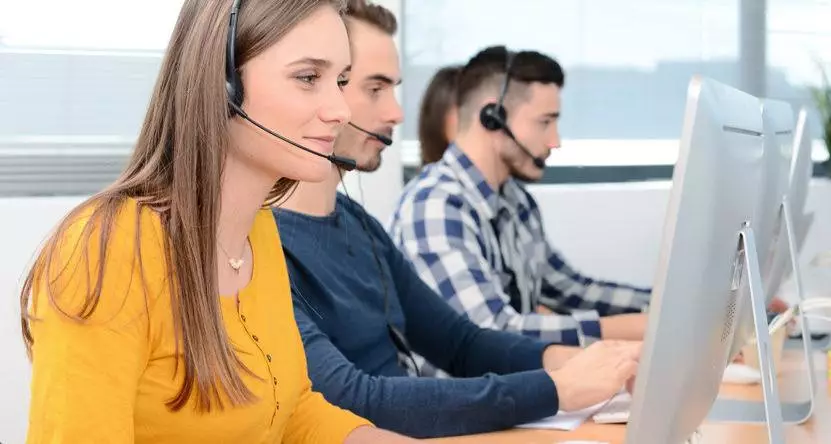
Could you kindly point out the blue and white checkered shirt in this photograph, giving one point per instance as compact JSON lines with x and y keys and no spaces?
{"x":486,"y":253}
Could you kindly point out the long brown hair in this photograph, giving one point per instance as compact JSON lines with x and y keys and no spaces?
{"x":175,"y":170}
{"x":438,"y":99}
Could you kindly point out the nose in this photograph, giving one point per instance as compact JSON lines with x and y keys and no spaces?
{"x":393,"y":114}
{"x":334,"y":109}
{"x":554,"y":141}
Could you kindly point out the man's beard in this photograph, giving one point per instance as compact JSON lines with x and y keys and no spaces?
{"x":521,"y":176}
{"x":371,"y":165}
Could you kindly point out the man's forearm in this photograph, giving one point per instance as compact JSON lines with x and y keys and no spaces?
{"x":371,"y":435}
{"x":631,"y":327}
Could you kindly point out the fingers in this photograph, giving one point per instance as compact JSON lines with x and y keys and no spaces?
{"x":630,"y":385}
{"x":629,"y":349}
{"x":626,"y":370}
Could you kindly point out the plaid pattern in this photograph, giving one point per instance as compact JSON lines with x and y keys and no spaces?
{"x":486,"y":253}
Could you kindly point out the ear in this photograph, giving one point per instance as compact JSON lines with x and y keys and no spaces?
{"x":451,"y":123}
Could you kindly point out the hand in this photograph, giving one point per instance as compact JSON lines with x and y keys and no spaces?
{"x":777,"y":305}
{"x":596,"y":374}
{"x":555,"y":356}
{"x":629,"y":327}
{"x":543,"y":310}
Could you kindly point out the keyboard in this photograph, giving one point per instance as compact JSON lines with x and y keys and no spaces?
{"x":616,"y":411}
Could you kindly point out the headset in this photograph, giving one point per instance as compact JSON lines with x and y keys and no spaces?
{"x":233,"y":86}
{"x":494,"y":116}
{"x":381,"y":138}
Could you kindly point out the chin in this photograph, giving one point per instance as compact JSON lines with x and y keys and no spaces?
{"x":316,"y":170}
{"x":528,"y":176}
{"x":370,"y":165}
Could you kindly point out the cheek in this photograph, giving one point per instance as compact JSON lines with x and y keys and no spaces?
{"x":283,"y":160}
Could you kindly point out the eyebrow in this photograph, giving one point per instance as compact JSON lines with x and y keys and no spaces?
{"x":320,"y":63}
{"x":552,"y":115}
{"x":383,"y":79}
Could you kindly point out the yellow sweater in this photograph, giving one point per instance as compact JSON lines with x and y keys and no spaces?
{"x":107,"y":379}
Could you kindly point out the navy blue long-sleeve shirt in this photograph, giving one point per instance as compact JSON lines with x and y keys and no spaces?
{"x":339,"y":306}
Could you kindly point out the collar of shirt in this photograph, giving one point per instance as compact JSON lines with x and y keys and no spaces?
{"x":486,"y":199}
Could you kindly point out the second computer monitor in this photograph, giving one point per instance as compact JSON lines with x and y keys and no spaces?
{"x":768,"y":220}
{"x":716,"y":183}
{"x":799,"y":177}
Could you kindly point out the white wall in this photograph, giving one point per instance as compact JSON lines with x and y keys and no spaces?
{"x":613,"y":231}
{"x":24,"y":223}
{"x":610,"y":231}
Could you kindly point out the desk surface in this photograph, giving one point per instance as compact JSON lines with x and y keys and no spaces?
{"x":793,"y":386}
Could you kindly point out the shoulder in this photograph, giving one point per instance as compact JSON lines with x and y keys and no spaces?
{"x":434,"y":189}
{"x":357,"y":211}
{"x":435,"y":181}
{"x":434,"y":197}
{"x":114,"y":248}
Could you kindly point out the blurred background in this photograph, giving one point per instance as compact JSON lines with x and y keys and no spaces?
{"x":76,"y":76}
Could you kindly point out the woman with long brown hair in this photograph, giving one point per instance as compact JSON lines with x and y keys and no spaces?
{"x":437,"y":114}
{"x":159,"y":310}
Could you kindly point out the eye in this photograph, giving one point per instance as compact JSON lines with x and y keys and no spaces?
{"x":308,"y":78}
{"x":375,"y":90}
{"x":342,"y":82}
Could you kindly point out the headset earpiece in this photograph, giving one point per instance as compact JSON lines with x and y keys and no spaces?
{"x":233,"y":81}
{"x":234,"y":89}
{"x":493,"y":117}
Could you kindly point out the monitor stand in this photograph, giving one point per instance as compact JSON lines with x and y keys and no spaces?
{"x":731,"y":410}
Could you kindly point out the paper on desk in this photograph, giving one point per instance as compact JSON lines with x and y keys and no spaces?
{"x":566,"y":421}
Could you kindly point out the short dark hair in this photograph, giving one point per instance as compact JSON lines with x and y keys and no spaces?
{"x":486,"y":71}
{"x":372,"y":14}
{"x":438,"y":99}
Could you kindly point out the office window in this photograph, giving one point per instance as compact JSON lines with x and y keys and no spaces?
{"x":75,"y":80}
{"x":627,"y":63}
{"x":799,"y":43}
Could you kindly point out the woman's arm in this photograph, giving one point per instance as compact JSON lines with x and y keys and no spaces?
{"x":85,"y":373}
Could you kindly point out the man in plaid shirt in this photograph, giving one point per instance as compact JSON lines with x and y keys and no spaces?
{"x":475,"y":235}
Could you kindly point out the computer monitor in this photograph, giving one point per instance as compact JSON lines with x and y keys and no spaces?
{"x":716,"y":184}
{"x":799,"y":177}
{"x":802,"y":170}
{"x":768,"y":220}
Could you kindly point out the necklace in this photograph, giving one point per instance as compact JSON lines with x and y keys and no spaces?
{"x":235,"y":263}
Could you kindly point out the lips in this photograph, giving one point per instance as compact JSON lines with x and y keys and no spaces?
{"x":325,"y":144}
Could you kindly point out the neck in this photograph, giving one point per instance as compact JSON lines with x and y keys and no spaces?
{"x":315,"y":199}
{"x":243,"y":193}
{"x":479,"y":149}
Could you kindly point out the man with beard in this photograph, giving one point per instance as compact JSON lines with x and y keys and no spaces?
{"x":361,"y":309}
{"x":475,"y":235}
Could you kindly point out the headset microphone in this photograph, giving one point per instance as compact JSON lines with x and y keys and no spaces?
{"x":539,"y":162}
{"x":344,"y":163}
{"x":381,"y":138}
{"x":494,"y":116}
{"x":233,"y":86}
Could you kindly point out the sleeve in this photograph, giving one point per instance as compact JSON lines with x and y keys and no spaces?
{"x":564,"y":289}
{"x":441,"y":237}
{"x":425,"y":407}
{"x":85,"y":373}
{"x":315,"y":421}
